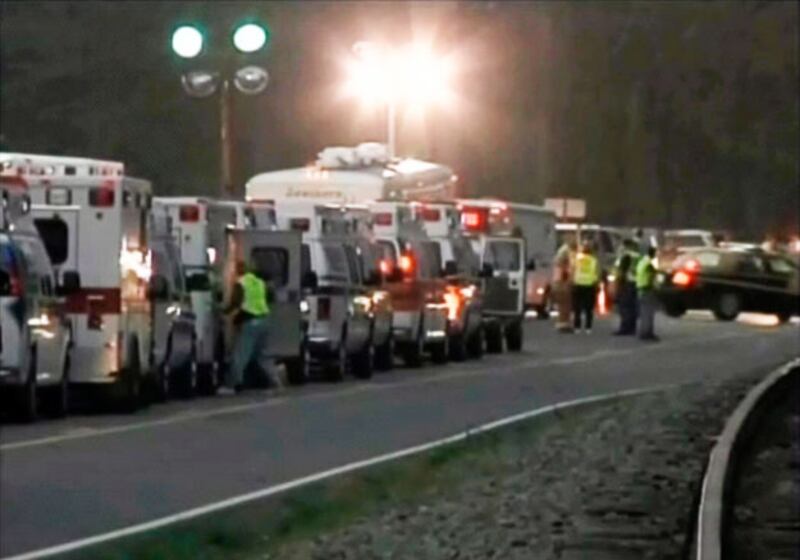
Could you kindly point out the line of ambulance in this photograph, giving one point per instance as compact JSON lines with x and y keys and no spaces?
{"x":107,"y":288}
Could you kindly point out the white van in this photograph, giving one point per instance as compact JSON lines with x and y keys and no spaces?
{"x":339,"y":320}
{"x":35,"y":332}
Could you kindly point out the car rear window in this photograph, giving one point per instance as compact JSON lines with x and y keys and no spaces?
{"x":706,"y":260}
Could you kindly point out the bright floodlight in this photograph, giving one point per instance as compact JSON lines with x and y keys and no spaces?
{"x":249,"y":37}
{"x":187,"y":41}
{"x":423,"y":76}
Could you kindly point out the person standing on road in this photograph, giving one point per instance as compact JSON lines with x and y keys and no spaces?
{"x":584,"y":288}
{"x":250,"y":307}
{"x":562,"y":284}
{"x":645,"y":286}
{"x":626,"y":288}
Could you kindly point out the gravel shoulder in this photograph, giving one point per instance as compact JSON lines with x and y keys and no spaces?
{"x":611,"y":480}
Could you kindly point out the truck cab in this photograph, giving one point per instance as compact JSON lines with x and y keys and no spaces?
{"x":412,"y":267}
{"x":461,"y":270}
{"x":35,"y":331}
{"x":338,"y":311}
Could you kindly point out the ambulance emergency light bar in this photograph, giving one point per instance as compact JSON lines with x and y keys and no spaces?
{"x":32,"y":166}
{"x":485,"y":217}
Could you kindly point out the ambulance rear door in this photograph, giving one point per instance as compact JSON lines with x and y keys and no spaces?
{"x":504,"y":290}
{"x":274,"y":255}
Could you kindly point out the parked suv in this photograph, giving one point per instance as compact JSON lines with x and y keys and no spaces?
{"x":35,"y":333}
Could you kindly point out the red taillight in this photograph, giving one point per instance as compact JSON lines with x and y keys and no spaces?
{"x":383,"y":219}
{"x":406,"y":264}
{"x":15,"y":286}
{"x":692,"y":265}
{"x":324,"y":309}
{"x":13,"y":181}
{"x":101,"y":197}
{"x":386,"y":267}
{"x":452,"y":299}
{"x":474,"y":219}
{"x":429,"y":214}
{"x":189,"y":213}
{"x":300,"y":224}
{"x":682,"y":278}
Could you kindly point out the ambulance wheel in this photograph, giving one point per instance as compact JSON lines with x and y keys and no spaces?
{"x":189,"y":379}
{"x":337,"y":369}
{"x":413,"y":353}
{"x":29,"y":403}
{"x":384,"y":355}
{"x":364,"y":361}
{"x":476,"y":343}
{"x":458,"y":347}
{"x":298,"y":370}
{"x":514,"y":336}
{"x":440,"y":352}
{"x":57,"y":398}
{"x":494,"y":338}
{"x":131,"y":380}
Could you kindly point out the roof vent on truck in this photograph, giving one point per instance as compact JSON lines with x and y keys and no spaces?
{"x":367,"y":154}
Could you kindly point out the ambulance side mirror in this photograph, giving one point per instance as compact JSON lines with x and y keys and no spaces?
{"x":310,"y":280}
{"x":158,"y":289}
{"x":450,"y":268}
{"x":531,"y":265}
{"x":487,"y":271}
{"x":70,"y":283}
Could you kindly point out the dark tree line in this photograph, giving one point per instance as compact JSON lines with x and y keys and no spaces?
{"x":662,"y":113}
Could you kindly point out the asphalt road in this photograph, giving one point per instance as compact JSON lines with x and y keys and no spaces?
{"x":87,"y":475}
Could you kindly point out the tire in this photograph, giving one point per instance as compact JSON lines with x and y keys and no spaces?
{"x":514,"y":336}
{"x":727,"y":307}
{"x":131,"y":381}
{"x":674,"y":310}
{"x":298,"y":370}
{"x":384,"y":355}
{"x":440,"y":351}
{"x":188,"y":379}
{"x":29,"y":401}
{"x":363,"y":365}
{"x":476,"y":344}
{"x":458,"y":347}
{"x":337,"y":370}
{"x":413,"y":353}
{"x":494,"y":338}
{"x":163,"y":388}
{"x":57,"y":399}
{"x":208,"y":378}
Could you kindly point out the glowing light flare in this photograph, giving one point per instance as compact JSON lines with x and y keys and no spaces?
{"x":682,"y":278}
{"x":453,"y":302}
{"x":602,"y":301}
{"x":249,"y":37}
{"x":137,"y":262}
{"x":187,"y":41}
{"x":468,"y":292}
{"x":692,"y":265}
{"x":386,"y":266}
{"x":364,"y":302}
{"x":406,"y":264}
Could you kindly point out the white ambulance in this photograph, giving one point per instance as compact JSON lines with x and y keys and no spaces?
{"x":35,"y":332}
{"x":339,"y":320}
{"x":413,"y":269}
{"x":92,"y":219}
{"x":502,"y":256}
{"x":461,"y":267}
{"x":199,"y":226}
{"x":369,"y":255}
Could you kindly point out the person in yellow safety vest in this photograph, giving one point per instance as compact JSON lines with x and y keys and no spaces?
{"x":250,"y":308}
{"x":585,"y":280}
{"x":625,"y":271}
{"x":645,"y":286}
{"x":562,"y":285}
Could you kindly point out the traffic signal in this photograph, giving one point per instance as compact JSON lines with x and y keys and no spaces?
{"x":187,"y":41}
{"x":250,"y":37}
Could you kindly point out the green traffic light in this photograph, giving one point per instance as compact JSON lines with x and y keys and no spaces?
{"x":250,"y":37}
{"x":187,"y":41}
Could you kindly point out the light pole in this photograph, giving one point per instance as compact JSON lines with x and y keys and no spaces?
{"x":410,"y":75}
{"x":189,"y":42}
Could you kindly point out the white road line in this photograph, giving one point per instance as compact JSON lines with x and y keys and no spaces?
{"x":80,"y":433}
{"x":348,"y":468}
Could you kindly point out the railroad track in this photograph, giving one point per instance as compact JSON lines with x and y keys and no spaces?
{"x":750,"y":499}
